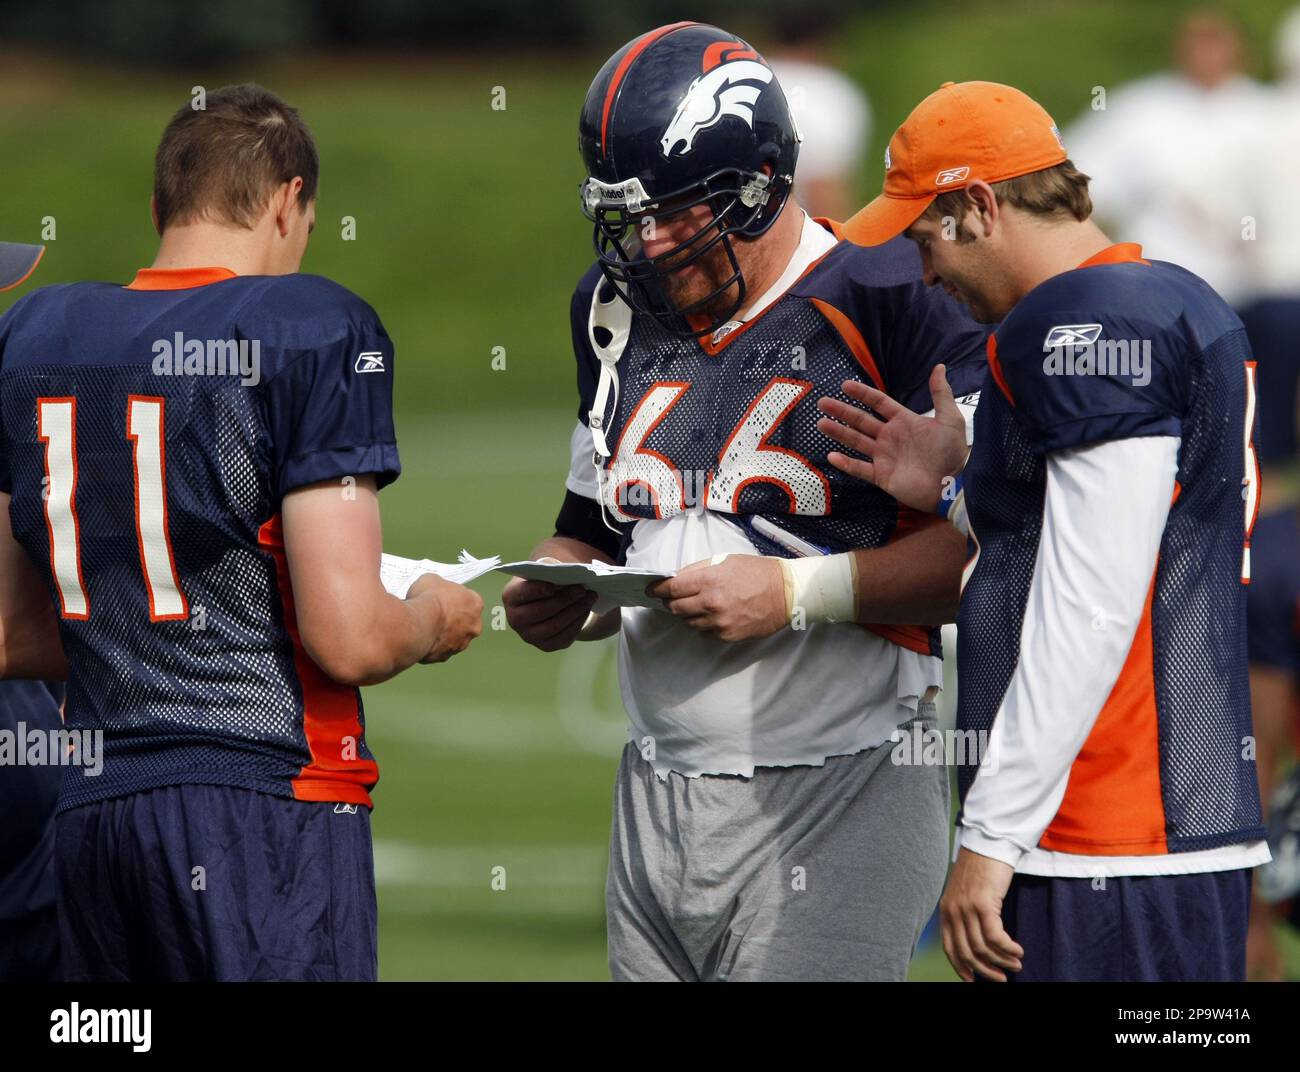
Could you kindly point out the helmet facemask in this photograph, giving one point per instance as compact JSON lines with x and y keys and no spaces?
{"x":737,"y":201}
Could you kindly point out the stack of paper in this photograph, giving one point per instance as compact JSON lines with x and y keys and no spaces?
{"x":615,"y":586}
{"x":398,"y":574}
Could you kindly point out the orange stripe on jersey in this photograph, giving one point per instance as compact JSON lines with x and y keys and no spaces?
{"x":853,"y":339}
{"x":995,"y":367}
{"x":701,"y":322}
{"x":620,"y":72}
{"x":177,"y":278}
{"x":912,"y":637}
{"x":1119,"y":253}
{"x":330,"y":713}
{"x":1114,"y":781}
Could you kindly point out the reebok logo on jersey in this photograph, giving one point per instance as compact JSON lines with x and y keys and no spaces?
{"x":1076,"y":350}
{"x":369,"y":361}
{"x":724,"y":331}
{"x":1071,"y":335}
{"x":950,"y":175}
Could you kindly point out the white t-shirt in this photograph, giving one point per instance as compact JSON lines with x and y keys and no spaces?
{"x":1165,"y":175}
{"x":698,"y":705}
{"x":1265,"y":157}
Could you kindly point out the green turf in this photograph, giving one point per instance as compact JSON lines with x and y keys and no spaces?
{"x":468,"y":239}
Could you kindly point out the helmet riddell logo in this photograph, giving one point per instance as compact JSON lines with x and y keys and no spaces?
{"x":950,"y":175}
{"x":728,"y":86}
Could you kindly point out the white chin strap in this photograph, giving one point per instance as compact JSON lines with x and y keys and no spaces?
{"x":615,"y":317}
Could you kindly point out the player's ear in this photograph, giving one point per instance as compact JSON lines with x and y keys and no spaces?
{"x":981,"y":198}
{"x":284,"y":202}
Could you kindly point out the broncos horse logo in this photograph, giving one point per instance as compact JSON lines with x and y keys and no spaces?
{"x":733,"y":78}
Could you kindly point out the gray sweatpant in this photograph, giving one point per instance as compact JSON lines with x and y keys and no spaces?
{"x":798,"y":873}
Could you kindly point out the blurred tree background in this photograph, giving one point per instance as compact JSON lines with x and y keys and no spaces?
{"x":468,"y":241}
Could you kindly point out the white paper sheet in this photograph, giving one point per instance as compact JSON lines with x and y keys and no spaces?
{"x":615,"y":586}
{"x":398,"y":574}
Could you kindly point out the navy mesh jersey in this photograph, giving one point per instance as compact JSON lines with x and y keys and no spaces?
{"x":731,"y":425}
{"x":1167,"y":767}
{"x":146,"y":467}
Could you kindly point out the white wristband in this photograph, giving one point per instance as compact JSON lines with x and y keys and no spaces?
{"x":821,"y":588}
{"x":957,"y":513}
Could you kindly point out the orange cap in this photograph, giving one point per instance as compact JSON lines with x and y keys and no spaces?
{"x":960,"y":132}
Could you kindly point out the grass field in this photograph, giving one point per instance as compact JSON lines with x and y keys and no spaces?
{"x":468,"y":238}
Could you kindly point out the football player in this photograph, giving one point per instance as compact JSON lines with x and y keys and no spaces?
{"x":190,"y":466}
{"x":761,"y":828}
{"x":29,"y":924}
{"x":1273,"y":619}
{"x":1110,"y":829}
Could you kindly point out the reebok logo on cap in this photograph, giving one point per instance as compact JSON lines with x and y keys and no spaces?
{"x":999,"y":131}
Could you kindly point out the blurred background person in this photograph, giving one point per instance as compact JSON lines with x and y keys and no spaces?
{"x":830,"y":109}
{"x":1157,"y":152}
{"x":1265,"y":158}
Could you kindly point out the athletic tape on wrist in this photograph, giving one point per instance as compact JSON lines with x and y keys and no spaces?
{"x":822,"y":588}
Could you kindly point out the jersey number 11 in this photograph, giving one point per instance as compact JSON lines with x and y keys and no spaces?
{"x":56,"y":427}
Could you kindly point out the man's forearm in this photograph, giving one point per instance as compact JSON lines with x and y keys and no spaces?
{"x":397,"y":638}
{"x":383,"y":635}
{"x":915,"y":580}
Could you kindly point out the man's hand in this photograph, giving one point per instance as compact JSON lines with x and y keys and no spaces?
{"x":547,"y":616}
{"x":911,"y":456}
{"x":741,"y":598}
{"x":971,"y":917}
{"x":459,"y":615}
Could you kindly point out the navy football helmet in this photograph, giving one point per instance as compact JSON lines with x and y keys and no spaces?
{"x":685,"y":115}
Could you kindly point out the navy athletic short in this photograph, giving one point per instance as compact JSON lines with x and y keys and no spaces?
{"x":1144,"y":928}
{"x":201,"y":882}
